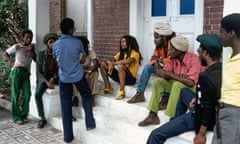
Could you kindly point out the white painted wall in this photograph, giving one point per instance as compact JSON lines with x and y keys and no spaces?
{"x":39,"y":23}
{"x":77,"y":9}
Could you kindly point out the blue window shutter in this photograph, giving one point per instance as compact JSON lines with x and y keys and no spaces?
{"x":159,"y":7}
{"x":187,"y":7}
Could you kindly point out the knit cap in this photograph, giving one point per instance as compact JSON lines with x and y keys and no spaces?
{"x":162,"y":29}
{"x":181,"y":43}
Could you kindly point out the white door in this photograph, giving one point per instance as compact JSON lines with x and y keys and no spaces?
{"x":184,"y":16}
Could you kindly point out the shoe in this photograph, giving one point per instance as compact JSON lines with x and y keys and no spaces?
{"x":25,"y":120}
{"x":151,"y":119}
{"x":120,"y":94}
{"x":41,"y":123}
{"x":139,"y":97}
{"x":90,"y":128}
{"x":69,"y":141}
{"x":106,"y":91}
{"x":74,"y":119}
{"x":163,"y":103}
{"x":19,"y":122}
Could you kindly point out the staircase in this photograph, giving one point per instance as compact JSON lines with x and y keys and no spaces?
{"x":116,"y":121}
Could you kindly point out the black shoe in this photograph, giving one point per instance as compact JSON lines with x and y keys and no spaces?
{"x":42,"y":123}
{"x":92,"y":127}
{"x":74,"y":119}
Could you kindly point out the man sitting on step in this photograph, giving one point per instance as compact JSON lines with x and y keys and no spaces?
{"x":201,"y":116}
{"x":182,"y":71}
{"x":161,"y":55}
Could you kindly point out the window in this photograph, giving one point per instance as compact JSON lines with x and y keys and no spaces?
{"x":159,"y":7}
{"x":187,"y":7}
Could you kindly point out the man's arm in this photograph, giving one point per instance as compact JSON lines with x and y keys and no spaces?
{"x":207,"y":91}
{"x":178,"y":77}
{"x":7,"y":58}
{"x":200,"y":138}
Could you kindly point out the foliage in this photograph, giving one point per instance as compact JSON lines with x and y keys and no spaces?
{"x":4,"y":72}
{"x":13,"y":19}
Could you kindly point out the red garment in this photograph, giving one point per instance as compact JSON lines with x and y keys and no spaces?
{"x":190,"y":66}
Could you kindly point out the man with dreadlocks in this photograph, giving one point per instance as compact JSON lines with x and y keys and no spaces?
{"x":127,"y":61}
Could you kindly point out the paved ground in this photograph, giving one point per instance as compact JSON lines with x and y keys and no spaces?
{"x":4,"y":114}
{"x":28,"y":133}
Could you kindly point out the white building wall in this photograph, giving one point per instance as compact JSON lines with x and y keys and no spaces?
{"x":38,"y":11}
{"x":77,"y":10}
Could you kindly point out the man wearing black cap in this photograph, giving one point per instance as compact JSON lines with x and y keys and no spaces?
{"x":201,"y":115}
{"x":47,"y":70}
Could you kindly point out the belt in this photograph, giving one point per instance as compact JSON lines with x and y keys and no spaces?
{"x":222,"y":105}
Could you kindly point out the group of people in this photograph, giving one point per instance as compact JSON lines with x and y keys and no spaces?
{"x":188,"y":86}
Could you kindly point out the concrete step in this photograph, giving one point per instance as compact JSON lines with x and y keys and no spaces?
{"x":115,"y":128}
{"x":117,"y":121}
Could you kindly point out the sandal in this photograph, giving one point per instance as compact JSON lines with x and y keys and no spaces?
{"x":106,"y":91}
{"x":120,"y":94}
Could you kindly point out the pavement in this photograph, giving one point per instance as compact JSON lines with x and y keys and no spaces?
{"x":28,"y":133}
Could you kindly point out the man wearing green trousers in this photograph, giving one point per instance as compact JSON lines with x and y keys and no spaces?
{"x":19,"y":76}
{"x":182,"y":71}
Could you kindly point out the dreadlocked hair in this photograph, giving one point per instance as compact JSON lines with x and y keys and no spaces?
{"x":132,"y":44}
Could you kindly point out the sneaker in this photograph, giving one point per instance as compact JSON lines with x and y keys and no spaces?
{"x":106,"y":91}
{"x":139,"y":97}
{"x":120,"y":94}
{"x":41,"y":123}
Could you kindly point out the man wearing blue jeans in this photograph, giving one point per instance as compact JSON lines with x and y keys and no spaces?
{"x":202,"y":105}
{"x":66,"y":50}
{"x":161,"y":55}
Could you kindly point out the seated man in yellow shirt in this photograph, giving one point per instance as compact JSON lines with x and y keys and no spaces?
{"x":127,"y":61}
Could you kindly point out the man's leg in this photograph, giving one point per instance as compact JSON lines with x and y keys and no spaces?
{"x":41,"y":88}
{"x":229,"y":126}
{"x":66,"y":107}
{"x":15,"y":92}
{"x":173,"y":98}
{"x":160,"y":85}
{"x":172,"y":128}
{"x":144,"y":78}
{"x":87,"y":98}
{"x":103,"y":71}
{"x":26,"y":93}
{"x":142,"y":84}
{"x":186,"y":95}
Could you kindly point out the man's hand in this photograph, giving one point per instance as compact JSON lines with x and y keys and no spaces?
{"x":110,"y":69}
{"x":199,"y":139}
{"x":192,"y":102}
{"x":160,"y":72}
{"x":50,"y":83}
{"x":182,"y":76}
{"x":154,"y":58}
{"x":52,"y":80}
